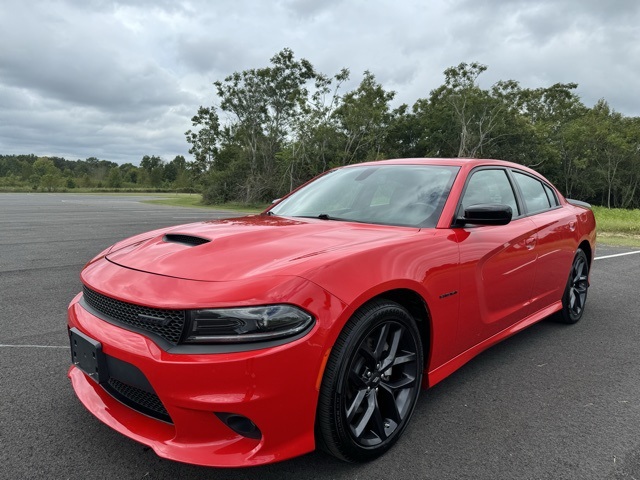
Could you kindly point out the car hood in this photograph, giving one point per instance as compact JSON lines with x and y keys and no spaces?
{"x":239,"y":248}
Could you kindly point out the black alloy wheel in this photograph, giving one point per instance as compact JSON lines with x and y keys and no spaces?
{"x":371,"y":383}
{"x":575,"y":295}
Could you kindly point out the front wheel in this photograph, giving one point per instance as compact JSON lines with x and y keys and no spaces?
{"x":371,"y":383}
{"x":575,"y":294}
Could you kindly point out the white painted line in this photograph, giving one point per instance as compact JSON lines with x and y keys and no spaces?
{"x":33,"y":346}
{"x":617,"y":255}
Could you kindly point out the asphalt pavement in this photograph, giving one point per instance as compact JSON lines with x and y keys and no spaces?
{"x":553,"y":402}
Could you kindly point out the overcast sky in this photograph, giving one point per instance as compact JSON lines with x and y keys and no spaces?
{"x":121,"y":79}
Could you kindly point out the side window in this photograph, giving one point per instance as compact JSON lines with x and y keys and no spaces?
{"x":533,"y":193}
{"x":553,"y":200}
{"x":490,"y":186}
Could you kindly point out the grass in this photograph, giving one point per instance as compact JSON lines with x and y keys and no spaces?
{"x":87,"y":191}
{"x":161,"y":198}
{"x":195,"y":200}
{"x":617,"y":226}
{"x":92,"y":190}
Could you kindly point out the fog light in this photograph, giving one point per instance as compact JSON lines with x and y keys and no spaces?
{"x":240,"y":424}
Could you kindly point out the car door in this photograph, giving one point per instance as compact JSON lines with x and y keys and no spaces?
{"x":554,"y":247}
{"x":497,"y":262}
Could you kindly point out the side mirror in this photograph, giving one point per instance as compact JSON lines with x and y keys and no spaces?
{"x":485,"y":214}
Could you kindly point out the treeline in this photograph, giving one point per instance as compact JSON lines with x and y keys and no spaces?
{"x":287,"y":122}
{"x":52,"y":174}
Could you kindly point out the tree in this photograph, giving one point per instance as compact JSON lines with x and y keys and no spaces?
{"x":477,"y":115}
{"x":173,"y":168}
{"x":629,"y":197}
{"x":153,"y":168}
{"x":129,"y":173}
{"x":204,"y":141}
{"x":287,"y":122}
{"x":263,"y":104}
{"x":115,"y":178}
{"x":363,"y":118}
{"x":315,"y":138}
{"x":51,"y":181}
{"x":404,"y":134}
{"x":552,"y":113}
{"x":609,"y":147}
{"x":46,"y":174}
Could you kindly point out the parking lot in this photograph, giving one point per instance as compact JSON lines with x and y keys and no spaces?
{"x":553,"y":402}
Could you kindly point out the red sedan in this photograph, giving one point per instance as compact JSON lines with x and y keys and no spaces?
{"x":316,"y":323}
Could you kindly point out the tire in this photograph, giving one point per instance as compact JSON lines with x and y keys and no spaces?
{"x":575,"y":293}
{"x":371,"y":383}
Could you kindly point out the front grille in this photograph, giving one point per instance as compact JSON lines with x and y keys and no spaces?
{"x":168,"y":324}
{"x":138,"y":399}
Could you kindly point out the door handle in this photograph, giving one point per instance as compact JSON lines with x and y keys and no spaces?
{"x":572,"y":226}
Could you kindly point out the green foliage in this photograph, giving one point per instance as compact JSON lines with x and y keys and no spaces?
{"x":219,"y":188}
{"x":45,"y":175}
{"x":289,"y":122}
{"x":264,"y":104}
{"x":204,"y":142}
{"x":195,"y":200}
{"x":115,"y":178}
{"x":286,"y":122}
{"x":51,"y":182}
{"x":50,"y":174}
{"x":363,"y":118}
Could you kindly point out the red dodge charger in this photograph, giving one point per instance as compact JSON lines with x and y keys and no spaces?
{"x":317,"y":322}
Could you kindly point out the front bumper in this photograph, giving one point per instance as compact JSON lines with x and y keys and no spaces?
{"x":276,"y":388}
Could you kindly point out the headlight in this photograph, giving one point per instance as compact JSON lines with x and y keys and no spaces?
{"x":250,"y":324}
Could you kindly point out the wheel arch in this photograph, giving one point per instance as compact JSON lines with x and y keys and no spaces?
{"x":328,"y":435}
{"x":417,"y":308}
{"x":586,"y":247}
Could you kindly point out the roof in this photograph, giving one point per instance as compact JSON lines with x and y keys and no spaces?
{"x":444,"y":161}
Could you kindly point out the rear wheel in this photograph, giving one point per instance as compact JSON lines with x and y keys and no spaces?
{"x":575,"y":294}
{"x":371,"y":383}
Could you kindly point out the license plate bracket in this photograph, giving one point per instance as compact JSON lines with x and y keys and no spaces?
{"x":87,"y":355}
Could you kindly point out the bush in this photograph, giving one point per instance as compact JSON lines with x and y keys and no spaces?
{"x":220,"y":187}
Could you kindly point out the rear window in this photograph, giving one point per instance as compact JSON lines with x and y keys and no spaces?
{"x":534,"y":195}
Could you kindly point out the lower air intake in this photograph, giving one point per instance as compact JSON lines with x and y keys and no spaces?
{"x":138,"y":399}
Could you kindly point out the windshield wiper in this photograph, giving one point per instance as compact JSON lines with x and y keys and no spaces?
{"x":322,"y":216}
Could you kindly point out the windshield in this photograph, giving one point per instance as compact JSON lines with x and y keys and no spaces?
{"x":403,"y":195}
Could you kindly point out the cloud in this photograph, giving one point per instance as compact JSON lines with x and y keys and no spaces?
{"x":87,"y":82}
{"x":96,"y":61}
{"x":121,"y":79}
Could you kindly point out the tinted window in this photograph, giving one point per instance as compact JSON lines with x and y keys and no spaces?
{"x":490,"y":186}
{"x":533,"y":193}
{"x":551,"y":195}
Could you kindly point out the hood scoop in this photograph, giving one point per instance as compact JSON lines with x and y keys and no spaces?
{"x":183,"y":239}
